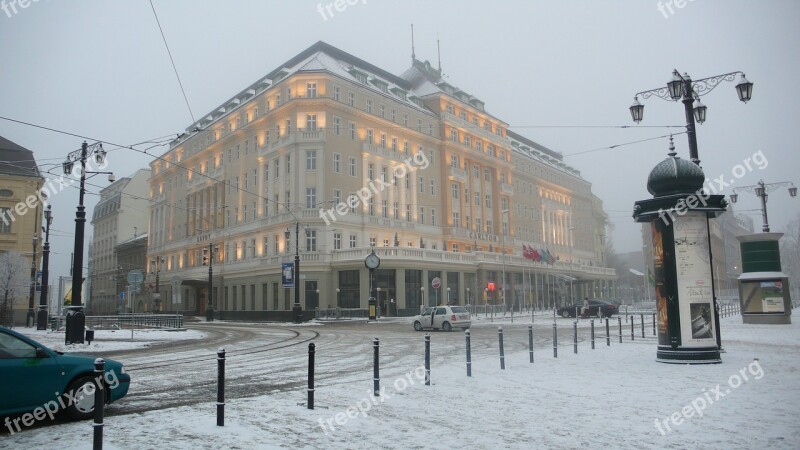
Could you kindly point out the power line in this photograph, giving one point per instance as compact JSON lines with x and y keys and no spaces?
{"x":611,"y":147}
{"x":172,"y":61}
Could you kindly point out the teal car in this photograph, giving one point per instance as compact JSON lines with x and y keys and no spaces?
{"x":35,"y":379}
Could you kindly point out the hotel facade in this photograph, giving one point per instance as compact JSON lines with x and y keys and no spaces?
{"x":350,"y":158}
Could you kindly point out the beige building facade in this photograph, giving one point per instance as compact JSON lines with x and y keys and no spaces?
{"x":22,"y":207}
{"x":357,"y":159}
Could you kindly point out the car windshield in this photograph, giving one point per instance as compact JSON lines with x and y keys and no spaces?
{"x":460,"y":310}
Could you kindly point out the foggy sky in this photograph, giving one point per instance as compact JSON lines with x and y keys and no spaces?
{"x":100,"y":69}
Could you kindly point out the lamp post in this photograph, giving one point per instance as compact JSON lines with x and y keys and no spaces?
{"x":682,"y":87}
{"x":41,"y":315}
{"x":503,"y":287}
{"x":158,"y":263}
{"x":380,"y":303}
{"x":208,"y":256}
{"x":31,"y":315}
{"x":297,"y":309}
{"x":762,"y":190}
{"x":75,"y":320}
{"x":448,"y":295}
{"x":422,"y":298}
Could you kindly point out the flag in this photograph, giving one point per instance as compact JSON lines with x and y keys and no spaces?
{"x":650,"y":279}
{"x":550,"y":258}
{"x":535,"y":255}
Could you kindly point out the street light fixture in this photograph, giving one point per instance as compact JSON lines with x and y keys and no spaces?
{"x":75,"y":320}
{"x":682,"y":86}
{"x":762,"y":190}
{"x":31,"y":315}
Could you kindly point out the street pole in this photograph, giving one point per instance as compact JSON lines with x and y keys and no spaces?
{"x":210,"y":306}
{"x":75,"y":320}
{"x":41,"y":318}
{"x":297,"y":309}
{"x":31,"y":315}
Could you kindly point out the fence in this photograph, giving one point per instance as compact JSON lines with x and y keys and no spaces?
{"x":159,"y":321}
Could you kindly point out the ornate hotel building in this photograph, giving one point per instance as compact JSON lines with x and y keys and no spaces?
{"x":356,"y":158}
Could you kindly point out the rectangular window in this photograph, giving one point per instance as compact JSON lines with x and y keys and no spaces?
{"x":454,"y":161}
{"x":337,"y":162}
{"x":394,"y":144}
{"x":383,"y":140}
{"x":382,"y":111}
{"x":408,"y":213}
{"x":311,"y":197}
{"x":405,"y":119}
{"x":394,"y":115}
{"x":311,"y":90}
{"x":311,"y":241}
{"x":477,"y":198}
{"x":487,"y":175}
{"x":337,"y":241}
{"x":433,"y":187}
{"x":369,"y":105}
{"x":467,"y":141}
{"x":370,"y":171}
{"x":337,"y":125}
{"x":488,"y":201}
{"x":311,"y":160}
{"x":433,"y":217}
{"x":311,"y":122}
{"x":352,"y":167}
{"x":421,"y":180}
{"x":337,"y":197}
{"x":336,"y":93}
{"x":288,"y":163}
{"x":455,"y":190}
{"x":385,"y":208}
{"x":422,"y":215}
{"x":351,"y":99}
{"x":352,"y":131}
{"x":369,"y":137}
{"x":396,"y":210}
{"x":353,"y":241}
{"x":453,"y":135}
{"x":456,"y":219}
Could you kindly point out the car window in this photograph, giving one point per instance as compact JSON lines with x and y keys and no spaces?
{"x":441,"y":310}
{"x":12,"y":347}
{"x":459,"y":310}
{"x":427,"y":312}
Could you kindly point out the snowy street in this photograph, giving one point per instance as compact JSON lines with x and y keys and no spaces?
{"x":615,"y":396}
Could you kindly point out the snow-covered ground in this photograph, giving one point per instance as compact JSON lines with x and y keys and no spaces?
{"x":612,"y":397}
{"x":110,"y":340}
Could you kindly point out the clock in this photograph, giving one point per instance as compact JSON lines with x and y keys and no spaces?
{"x":372,"y":261}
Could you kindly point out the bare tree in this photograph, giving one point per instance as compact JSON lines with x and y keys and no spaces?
{"x":14,"y":282}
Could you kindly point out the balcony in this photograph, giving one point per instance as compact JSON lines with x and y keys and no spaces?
{"x":471,"y":127}
{"x":387,"y":153}
{"x":507,"y":189}
{"x":294,"y":137}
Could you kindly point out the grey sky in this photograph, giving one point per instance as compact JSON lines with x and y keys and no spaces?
{"x":100,"y":69}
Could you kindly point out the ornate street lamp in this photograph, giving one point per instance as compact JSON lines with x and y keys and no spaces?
{"x":75,"y":320}
{"x":683,"y":87}
{"x":297,"y":309}
{"x":41,"y":315}
{"x":208,"y":259}
{"x":762,"y":190}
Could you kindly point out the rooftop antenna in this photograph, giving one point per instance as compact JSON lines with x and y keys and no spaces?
{"x":413,"y":55}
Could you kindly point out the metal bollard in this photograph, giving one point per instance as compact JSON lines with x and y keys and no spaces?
{"x":642,"y":318}
{"x":555,"y":341}
{"x":99,"y":403}
{"x":619,"y":319}
{"x":427,"y":360}
{"x":469,"y":353}
{"x":376,"y":377}
{"x":311,"y":351}
{"x":608,"y":335}
{"x":575,"y":336}
{"x":530,"y":341}
{"x":654,"y":324}
{"x":221,"y":387}
{"x":502,"y":355}
{"x":632,"y":327}
{"x":592,"y":322}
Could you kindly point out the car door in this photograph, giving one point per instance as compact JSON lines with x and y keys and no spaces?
{"x":27,"y":381}
{"x":441,"y":315}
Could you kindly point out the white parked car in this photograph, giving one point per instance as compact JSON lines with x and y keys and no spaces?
{"x":443,"y":318}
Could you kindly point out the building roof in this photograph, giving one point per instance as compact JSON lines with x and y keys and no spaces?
{"x":17,"y":160}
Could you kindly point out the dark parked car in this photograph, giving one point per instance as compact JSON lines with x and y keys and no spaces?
{"x":599,"y":308}
{"x":46,"y":382}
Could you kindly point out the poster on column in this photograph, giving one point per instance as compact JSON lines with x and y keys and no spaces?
{"x":693,"y":268}
{"x":659,"y":281}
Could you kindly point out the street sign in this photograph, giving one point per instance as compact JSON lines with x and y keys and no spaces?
{"x":122,"y":295}
{"x":135,"y":276}
{"x":436,"y":283}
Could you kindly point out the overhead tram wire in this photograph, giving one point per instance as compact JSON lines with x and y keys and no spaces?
{"x":611,"y":147}
{"x":164,"y":38}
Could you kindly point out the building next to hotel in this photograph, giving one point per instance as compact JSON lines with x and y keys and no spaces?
{"x":355,"y":157}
